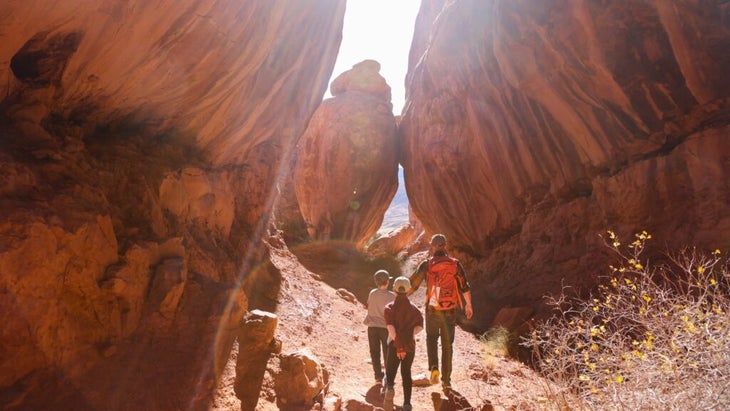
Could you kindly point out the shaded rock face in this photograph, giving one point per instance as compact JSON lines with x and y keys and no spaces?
{"x":140,"y":145}
{"x":346,"y":172}
{"x":532,"y":127}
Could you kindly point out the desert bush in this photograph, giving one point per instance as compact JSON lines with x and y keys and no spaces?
{"x":649,"y":338}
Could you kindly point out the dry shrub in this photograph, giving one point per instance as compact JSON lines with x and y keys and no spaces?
{"x":649,"y":338}
{"x":495,"y":344}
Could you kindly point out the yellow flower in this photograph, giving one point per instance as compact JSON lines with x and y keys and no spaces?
{"x":583,"y":377}
{"x":646,"y":298}
{"x":639,"y":354}
{"x":619,"y":379}
{"x":700,"y":269}
{"x":716,"y":252}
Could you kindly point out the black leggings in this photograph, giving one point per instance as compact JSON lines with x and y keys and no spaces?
{"x":391,"y":368}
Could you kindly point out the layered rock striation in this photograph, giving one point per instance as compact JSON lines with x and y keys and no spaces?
{"x":532,"y":127}
{"x":140,"y":144}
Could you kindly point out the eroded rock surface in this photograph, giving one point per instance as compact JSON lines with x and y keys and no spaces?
{"x":140,"y":143}
{"x":531,"y":127}
{"x":300,"y":381}
{"x":255,"y":342}
{"x":347,"y":172}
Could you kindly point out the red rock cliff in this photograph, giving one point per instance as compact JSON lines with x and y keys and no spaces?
{"x":140,"y":143}
{"x":533,"y":126}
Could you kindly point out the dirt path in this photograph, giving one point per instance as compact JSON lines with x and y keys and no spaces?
{"x":313,"y":317}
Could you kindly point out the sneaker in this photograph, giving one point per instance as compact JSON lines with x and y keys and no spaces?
{"x":379,"y":381}
{"x":447,"y":387}
{"x":407,"y":407}
{"x":434,"y":376}
{"x":388,"y":400}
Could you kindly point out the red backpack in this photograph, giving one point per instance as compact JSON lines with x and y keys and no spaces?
{"x":442,"y":292}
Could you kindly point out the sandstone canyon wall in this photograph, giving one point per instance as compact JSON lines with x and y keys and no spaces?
{"x":531,"y":127}
{"x":140,"y":143}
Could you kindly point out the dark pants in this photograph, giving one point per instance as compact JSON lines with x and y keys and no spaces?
{"x":378,"y":340}
{"x":440,"y":324}
{"x":391,"y":368}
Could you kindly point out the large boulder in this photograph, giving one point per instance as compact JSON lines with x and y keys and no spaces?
{"x":300,"y":380}
{"x":346,"y":172}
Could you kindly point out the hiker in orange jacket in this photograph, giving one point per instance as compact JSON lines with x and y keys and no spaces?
{"x":446,"y":284}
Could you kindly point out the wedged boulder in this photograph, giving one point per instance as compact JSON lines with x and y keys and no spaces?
{"x":532,"y":127}
{"x":346,"y":172}
{"x":395,"y":241}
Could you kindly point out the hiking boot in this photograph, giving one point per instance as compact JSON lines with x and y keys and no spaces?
{"x":407,"y":407}
{"x":434,"y":376}
{"x":388,"y":400}
{"x":447,"y":387}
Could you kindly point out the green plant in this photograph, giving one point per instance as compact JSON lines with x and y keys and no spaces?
{"x":650,"y":337}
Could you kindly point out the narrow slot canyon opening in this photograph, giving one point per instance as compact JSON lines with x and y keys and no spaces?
{"x":381,"y":30}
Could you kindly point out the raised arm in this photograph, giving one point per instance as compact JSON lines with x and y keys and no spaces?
{"x":417,"y":277}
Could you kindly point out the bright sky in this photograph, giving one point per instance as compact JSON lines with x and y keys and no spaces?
{"x":380,"y":30}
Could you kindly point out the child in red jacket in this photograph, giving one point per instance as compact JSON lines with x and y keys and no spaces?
{"x":403,"y":321}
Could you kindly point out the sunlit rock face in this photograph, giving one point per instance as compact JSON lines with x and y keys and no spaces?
{"x":140,"y":143}
{"x":533,"y":126}
{"x":347,"y":171}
